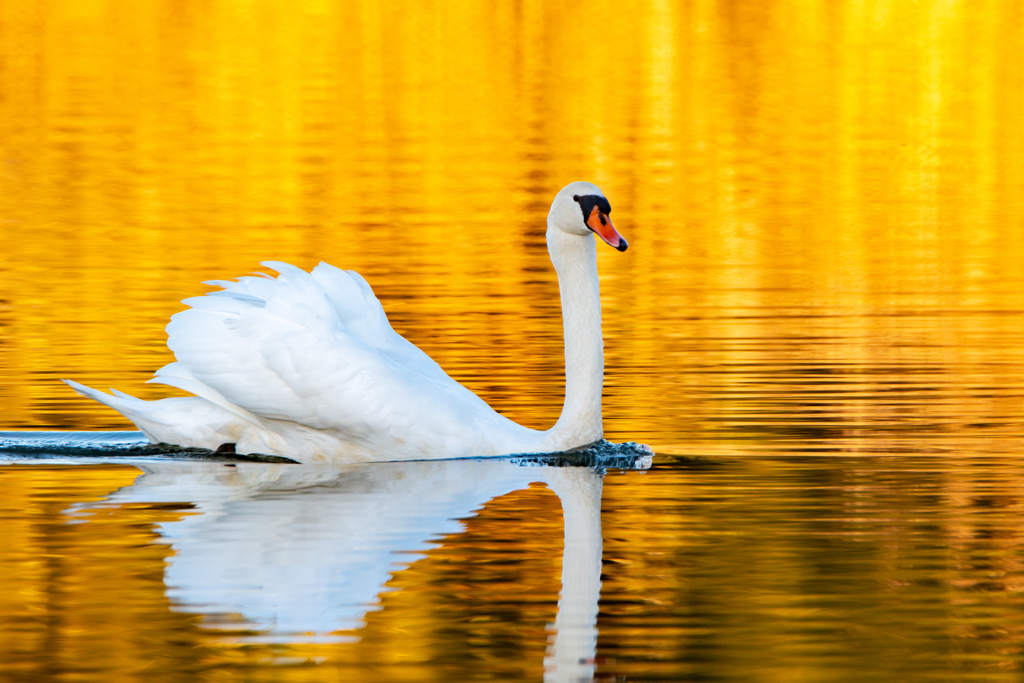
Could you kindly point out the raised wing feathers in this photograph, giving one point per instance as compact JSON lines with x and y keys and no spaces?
{"x":316,"y":349}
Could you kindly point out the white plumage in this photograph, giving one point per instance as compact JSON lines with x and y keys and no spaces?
{"x":306,"y":365}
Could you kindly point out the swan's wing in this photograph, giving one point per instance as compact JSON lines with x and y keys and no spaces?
{"x":316,"y":349}
{"x":365,"y":319}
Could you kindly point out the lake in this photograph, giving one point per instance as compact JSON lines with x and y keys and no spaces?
{"x":818,"y":328}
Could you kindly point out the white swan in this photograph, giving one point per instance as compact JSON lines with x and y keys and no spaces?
{"x":307,"y":366}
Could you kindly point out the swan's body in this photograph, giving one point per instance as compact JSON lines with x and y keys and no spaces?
{"x":307,"y":366}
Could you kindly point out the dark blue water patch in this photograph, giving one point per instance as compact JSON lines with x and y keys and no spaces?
{"x":24,"y":446}
{"x":62,"y":445}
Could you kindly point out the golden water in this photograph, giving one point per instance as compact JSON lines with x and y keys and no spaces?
{"x":825,"y":209}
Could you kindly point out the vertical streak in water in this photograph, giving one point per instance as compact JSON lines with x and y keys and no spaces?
{"x":571,"y":656}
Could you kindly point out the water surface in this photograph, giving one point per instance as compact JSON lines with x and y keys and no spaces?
{"x":725,"y":568}
{"x":819,"y":324}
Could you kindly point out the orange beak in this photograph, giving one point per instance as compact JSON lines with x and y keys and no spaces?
{"x":601,"y":224}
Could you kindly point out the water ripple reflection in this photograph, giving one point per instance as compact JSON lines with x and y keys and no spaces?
{"x":299,"y":554}
{"x":845,"y":568}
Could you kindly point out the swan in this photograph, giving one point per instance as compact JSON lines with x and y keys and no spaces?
{"x":307,"y":366}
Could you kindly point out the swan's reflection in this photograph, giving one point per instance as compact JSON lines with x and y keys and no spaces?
{"x":301,"y":552}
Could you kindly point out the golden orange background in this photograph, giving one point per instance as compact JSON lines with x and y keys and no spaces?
{"x":808,"y":188}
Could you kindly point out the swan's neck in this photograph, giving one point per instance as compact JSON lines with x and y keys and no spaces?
{"x":575,"y":261}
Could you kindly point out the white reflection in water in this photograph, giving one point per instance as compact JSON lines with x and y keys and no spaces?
{"x":303,"y":551}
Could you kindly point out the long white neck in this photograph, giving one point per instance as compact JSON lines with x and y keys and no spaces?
{"x":570,"y":657}
{"x":575,"y":261}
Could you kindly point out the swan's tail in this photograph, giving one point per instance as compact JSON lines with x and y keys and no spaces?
{"x":127,"y":405}
{"x":152,"y":419}
{"x":120,"y":401}
{"x":188,"y":421}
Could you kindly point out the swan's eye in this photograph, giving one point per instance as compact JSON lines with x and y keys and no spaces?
{"x":589,"y":201}
{"x":576,"y":198}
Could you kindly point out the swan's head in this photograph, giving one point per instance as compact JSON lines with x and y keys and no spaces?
{"x":580,"y":209}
